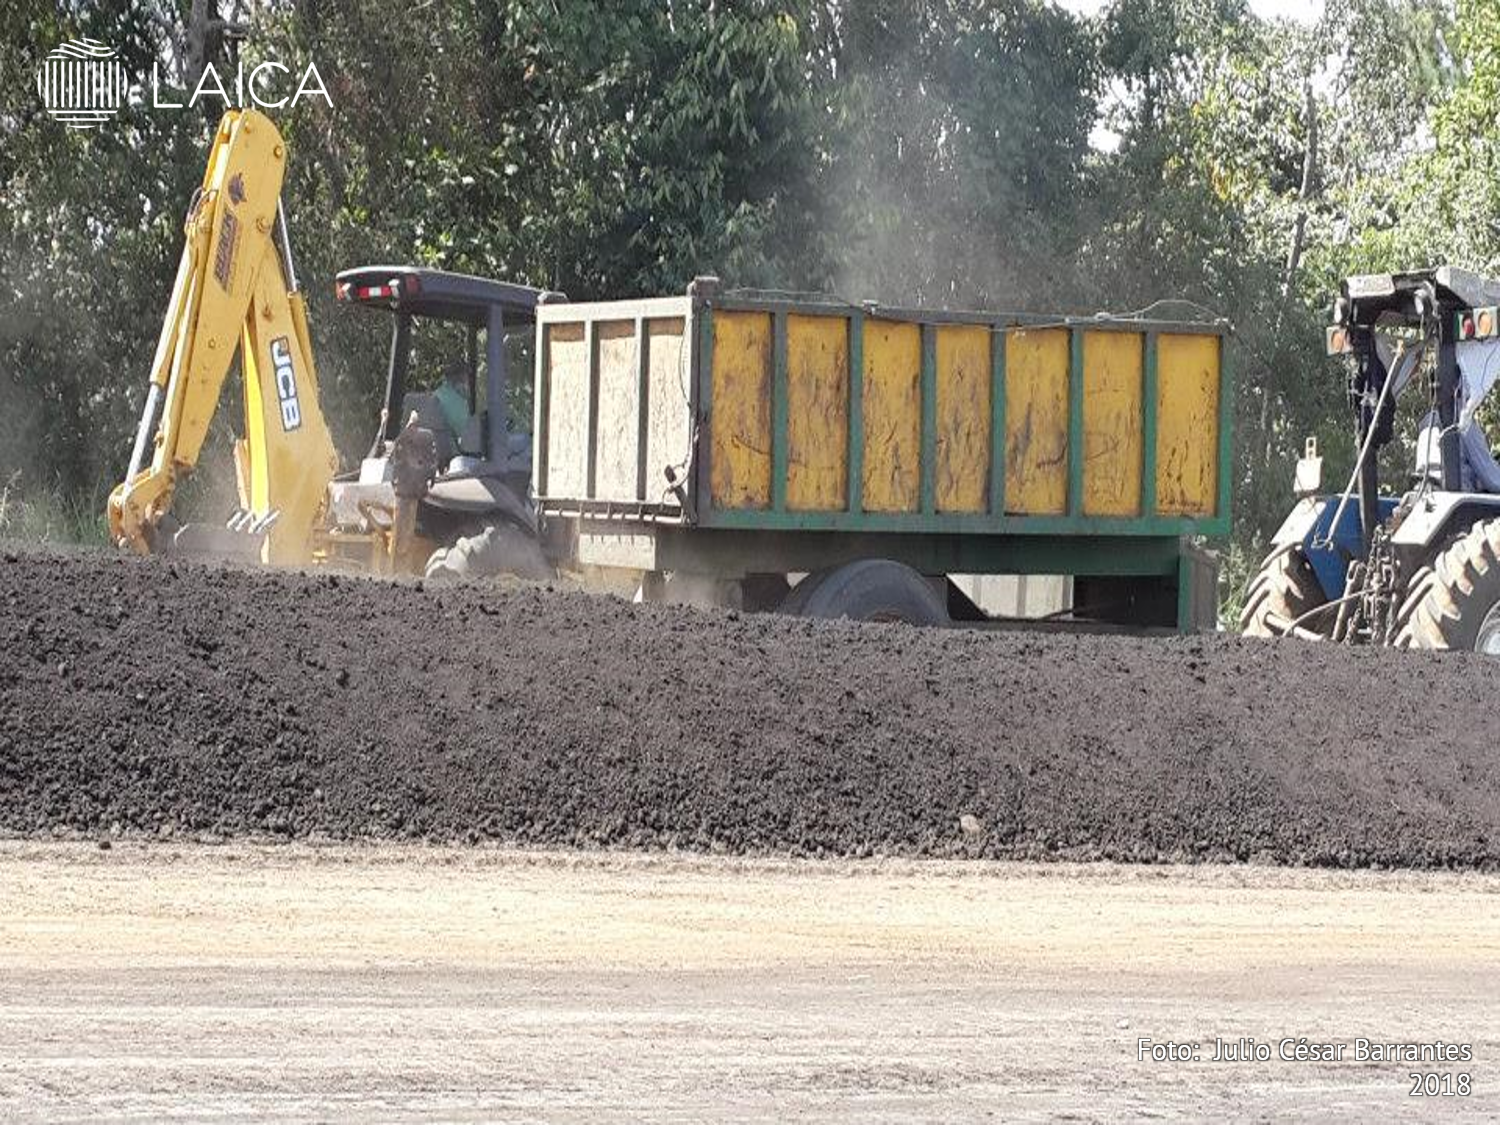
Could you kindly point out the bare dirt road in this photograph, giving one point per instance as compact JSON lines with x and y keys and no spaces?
{"x":392,"y":983}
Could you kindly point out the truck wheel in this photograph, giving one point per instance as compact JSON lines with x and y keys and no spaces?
{"x":1453,"y":605}
{"x":496,"y":550}
{"x":1286,"y":588}
{"x":872,"y":590}
{"x":792,"y":604}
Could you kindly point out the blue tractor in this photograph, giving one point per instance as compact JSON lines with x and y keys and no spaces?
{"x":1419,"y":569}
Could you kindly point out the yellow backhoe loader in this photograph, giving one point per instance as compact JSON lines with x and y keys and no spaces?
{"x":443,"y":489}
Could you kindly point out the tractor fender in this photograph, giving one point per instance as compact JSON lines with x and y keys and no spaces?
{"x":482,"y":496}
{"x":1328,"y":545}
{"x":1439,"y":514}
{"x":1299,"y":523}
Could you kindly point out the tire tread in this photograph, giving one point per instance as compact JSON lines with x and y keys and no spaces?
{"x":1446,"y":602}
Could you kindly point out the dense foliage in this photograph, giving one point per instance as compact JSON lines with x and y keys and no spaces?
{"x":1001,"y":155}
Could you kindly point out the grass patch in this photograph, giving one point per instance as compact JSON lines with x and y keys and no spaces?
{"x":50,"y":515}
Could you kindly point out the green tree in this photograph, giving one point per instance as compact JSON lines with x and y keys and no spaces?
{"x":89,"y":222}
{"x":913,"y":151}
{"x":957,"y":133}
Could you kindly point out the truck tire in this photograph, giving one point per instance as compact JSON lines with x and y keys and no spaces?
{"x":1285,"y":587}
{"x":1453,"y":604}
{"x":496,"y":550}
{"x":792,"y":604}
{"x":871,"y":590}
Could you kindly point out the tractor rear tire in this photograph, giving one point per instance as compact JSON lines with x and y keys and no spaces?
{"x":1285,"y":587}
{"x":869,"y":590}
{"x":1454,"y":604}
{"x":496,"y":550}
{"x":1417,"y":591}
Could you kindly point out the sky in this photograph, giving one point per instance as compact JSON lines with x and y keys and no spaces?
{"x":1304,"y":11}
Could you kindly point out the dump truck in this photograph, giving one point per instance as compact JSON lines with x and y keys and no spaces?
{"x":1415,"y":567}
{"x":828,"y":459}
{"x":794,"y":454}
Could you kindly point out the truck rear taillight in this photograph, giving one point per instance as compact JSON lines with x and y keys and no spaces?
{"x":348,"y":291}
{"x":1336,"y":340}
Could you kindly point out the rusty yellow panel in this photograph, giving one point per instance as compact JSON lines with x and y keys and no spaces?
{"x":892,"y":423}
{"x":1037,"y":461}
{"x":1188,"y":422}
{"x":1113,"y":423}
{"x":818,"y":412}
{"x":962,"y":374}
{"x":740,"y":426}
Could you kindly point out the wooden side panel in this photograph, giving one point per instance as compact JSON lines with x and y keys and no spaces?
{"x":818,"y":412}
{"x":617,"y":427}
{"x":670,"y":422}
{"x":893,"y":416}
{"x":1188,"y":414}
{"x":740,"y":426}
{"x":1113,"y":423}
{"x":568,"y":410}
{"x":962,"y":371}
{"x":1037,"y":466}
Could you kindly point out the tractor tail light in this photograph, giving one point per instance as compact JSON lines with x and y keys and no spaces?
{"x":1476,"y":324}
{"x":1336,"y":340}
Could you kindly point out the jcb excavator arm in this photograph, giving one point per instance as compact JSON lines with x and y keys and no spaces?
{"x":235,"y":287}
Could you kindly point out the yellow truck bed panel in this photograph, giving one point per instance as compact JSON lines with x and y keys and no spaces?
{"x":1188,"y":405}
{"x":758,"y":412}
{"x":1113,"y":424}
{"x":892,"y":420}
{"x":962,"y":465}
{"x":818,"y":381}
{"x":740,"y":429}
{"x":1037,"y":448}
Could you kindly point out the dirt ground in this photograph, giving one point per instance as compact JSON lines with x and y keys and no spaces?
{"x":154,"y":697}
{"x":400,"y":982}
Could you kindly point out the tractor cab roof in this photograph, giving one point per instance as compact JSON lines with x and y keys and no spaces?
{"x":438,"y":294}
{"x":1368,"y":296}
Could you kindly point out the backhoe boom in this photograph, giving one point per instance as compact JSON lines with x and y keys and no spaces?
{"x":235,"y":288}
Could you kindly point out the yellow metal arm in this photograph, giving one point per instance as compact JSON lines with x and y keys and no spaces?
{"x":235,"y":288}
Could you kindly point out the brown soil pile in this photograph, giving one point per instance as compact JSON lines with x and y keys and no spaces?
{"x":173,"y":698}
